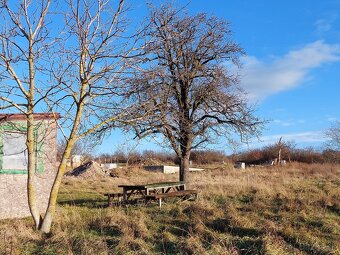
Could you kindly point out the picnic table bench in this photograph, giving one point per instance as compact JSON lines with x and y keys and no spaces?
{"x":147,"y":192}
{"x":183,"y":194}
{"x":153,"y":188}
{"x":114,"y":199}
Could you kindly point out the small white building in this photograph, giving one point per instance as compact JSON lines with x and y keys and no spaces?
{"x":109,"y":166}
{"x":168,"y":169}
{"x":76,"y":160}
{"x":240,"y":165}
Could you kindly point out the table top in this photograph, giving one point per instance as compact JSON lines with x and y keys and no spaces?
{"x":153,"y":185}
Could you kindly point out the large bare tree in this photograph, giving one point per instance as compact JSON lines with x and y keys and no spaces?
{"x":73,"y":63}
{"x":189,"y":79}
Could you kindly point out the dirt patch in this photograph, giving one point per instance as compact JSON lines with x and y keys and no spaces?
{"x":90,"y":169}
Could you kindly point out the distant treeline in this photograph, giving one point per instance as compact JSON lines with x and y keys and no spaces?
{"x":201,"y":157}
{"x":289,"y":153}
{"x":198,"y":157}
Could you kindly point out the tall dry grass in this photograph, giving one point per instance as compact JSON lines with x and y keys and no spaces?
{"x":280,"y":210}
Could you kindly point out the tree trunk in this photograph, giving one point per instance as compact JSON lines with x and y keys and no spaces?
{"x":184,"y":167}
{"x":30,"y":143}
{"x":31,"y":189}
{"x":49,"y":215}
{"x":47,"y":221}
{"x":50,"y":211}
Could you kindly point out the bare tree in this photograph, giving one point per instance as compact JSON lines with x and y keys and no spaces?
{"x":84,"y":147}
{"x":333,"y":134}
{"x":189,"y":80}
{"x":23,"y":38}
{"x":78,"y":72}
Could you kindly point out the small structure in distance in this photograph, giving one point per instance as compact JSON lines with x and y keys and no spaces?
{"x":240,"y":165}
{"x":168,"y":169}
{"x":109,"y":166}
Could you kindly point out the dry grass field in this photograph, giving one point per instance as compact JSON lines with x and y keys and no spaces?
{"x":289,"y":210}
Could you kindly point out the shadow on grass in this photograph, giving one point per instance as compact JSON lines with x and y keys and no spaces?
{"x":112,"y":234}
{"x":250,"y":246}
{"x":246,"y":240}
{"x":224,"y":225}
{"x":334,"y":209}
{"x":180,"y":227}
{"x":166,"y":246}
{"x":303,"y":246}
{"x":90,"y":203}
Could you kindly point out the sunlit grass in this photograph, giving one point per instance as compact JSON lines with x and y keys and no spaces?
{"x":289,"y":210}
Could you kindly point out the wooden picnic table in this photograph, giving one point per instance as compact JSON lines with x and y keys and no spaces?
{"x":152,"y":188}
{"x":182,"y":194}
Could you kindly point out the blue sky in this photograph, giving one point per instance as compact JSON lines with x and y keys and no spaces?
{"x":291,"y":70}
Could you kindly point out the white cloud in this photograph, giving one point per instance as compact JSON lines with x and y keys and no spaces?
{"x":279,"y":110}
{"x":284,"y":123}
{"x":304,"y":137}
{"x":287,"y":123}
{"x":298,"y":138}
{"x":262,"y":78}
{"x":323,"y":25}
{"x":331,"y":118}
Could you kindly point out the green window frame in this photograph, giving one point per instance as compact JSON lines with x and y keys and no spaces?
{"x":39,"y":145}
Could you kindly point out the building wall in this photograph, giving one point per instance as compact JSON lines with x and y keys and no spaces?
{"x":109,"y":166}
{"x":13,"y":184}
{"x":168,"y":169}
